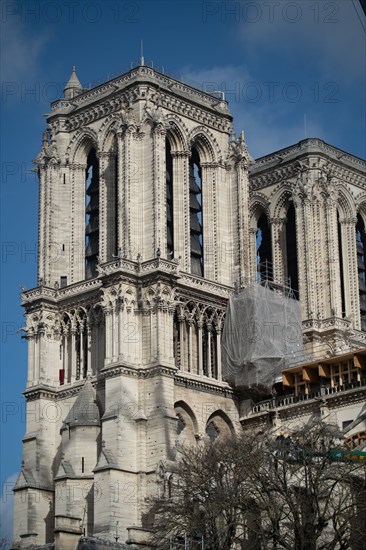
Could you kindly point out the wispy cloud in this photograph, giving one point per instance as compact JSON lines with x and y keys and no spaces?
{"x":270,"y":121}
{"x":21,"y":51}
{"x":328,"y":36}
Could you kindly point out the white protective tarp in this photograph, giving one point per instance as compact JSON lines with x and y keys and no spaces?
{"x":262,"y":335}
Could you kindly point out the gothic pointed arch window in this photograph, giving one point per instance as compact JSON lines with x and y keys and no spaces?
{"x":341,"y":266}
{"x":264,"y":249}
{"x":291,"y":251}
{"x":361,"y":267}
{"x":195,"y":212}
{"x":91,"y":214}
{"x":169,"y":201}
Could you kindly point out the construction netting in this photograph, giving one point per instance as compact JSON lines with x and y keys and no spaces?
{"x":262,"y":335}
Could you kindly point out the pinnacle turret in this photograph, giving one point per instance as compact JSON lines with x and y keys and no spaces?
{"x":73,"y":87}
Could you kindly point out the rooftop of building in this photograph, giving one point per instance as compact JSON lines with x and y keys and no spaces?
{"x":78,"y":96}
{"x":305,"y":147}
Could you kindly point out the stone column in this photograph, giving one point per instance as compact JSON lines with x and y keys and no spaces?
{"x":333,"y":260}
{"x":209,"y":358}
{"x":190,"y":362}
{"x":64,"y":357}
{"x":81,"y":350}
{"x":73,"y":354}
{"x":77,"y":245}
{"x":200,"y":350}
{"x":41,"y":223}
{"x":88,"y":349}
{"x":181,"y":222}
{"x":218,"y":348}
{"x":303,"y":243}
{"x":31,"y":358}
{"x":158,"y":143}
{"x":253,"y":253}
{"x":349,"y":247}
{"x":120,"y":330}
{"x":128,"y":246}
{"x":37,"y":358}
{"x":181,"y":320}
{"x":278,"y":244}
{"x":106,"y":206}
{"x":108,"y":336}
{"x":209,"y":217}
{"x":243,"y":218}
{"x":114,"y":334}
{"x":120,"y":193}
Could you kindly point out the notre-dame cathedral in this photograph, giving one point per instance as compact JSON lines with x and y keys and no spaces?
{"x":152,"y":213}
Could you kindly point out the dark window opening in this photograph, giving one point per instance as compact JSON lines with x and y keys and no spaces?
{"x":176,"y":340}
{"x":212,"y":431}
{"x":116,"y":205}
{"x":82,"y":464}
{"x":180,"y":424}
{"x":341,"y":267}
{"x":169,"y":201}
{"x":92,"y":215}
{"x":195,"y":211}
{"x":361,"y":268}
{"x":63,"y":281}
{"x":264,"y":249}
{"x":291,"y":250}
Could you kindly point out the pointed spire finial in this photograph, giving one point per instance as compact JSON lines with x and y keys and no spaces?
{"x":73,"y":87}
{"x":142,"y":59}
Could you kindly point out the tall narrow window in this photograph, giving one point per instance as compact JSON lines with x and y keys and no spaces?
{"x":264,"y":250}
{"x":92,"y":215}
{"x":291,"y":250}
{"x":169,"y":201}
{"x":116,"y":204}
{"x":361,"y":267}
{"x":195,"y":210}
{"x":341,"y":267}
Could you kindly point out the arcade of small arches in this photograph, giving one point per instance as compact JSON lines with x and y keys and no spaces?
{"x":95,"y":335}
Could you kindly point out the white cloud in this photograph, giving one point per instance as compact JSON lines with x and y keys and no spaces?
{"x":326,"y":36}
{"x":270,"y":123}
{"x":21,"y":51}
{"x":6,"y":507}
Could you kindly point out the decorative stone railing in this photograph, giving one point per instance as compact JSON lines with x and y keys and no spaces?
{"x":141,"y":71}
{"x":206,"y":286}
{"x":54,"y":294}
{"x":292,"y":399}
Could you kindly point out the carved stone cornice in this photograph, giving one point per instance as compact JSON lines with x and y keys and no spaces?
{"x":181,"y":154}
{"x":348,"y":221}
{"x":284,"y":164}
{"x":40,"y":391}
{"x":207,"y":385}
{"x":114,"y":369}
{"x":113,"y":95}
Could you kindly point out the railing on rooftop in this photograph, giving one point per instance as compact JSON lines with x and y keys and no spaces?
{"x":157,"y":67}
{"x":291,"y":399}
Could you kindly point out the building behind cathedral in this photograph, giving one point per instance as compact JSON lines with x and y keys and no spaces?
{"x":152,"y":214}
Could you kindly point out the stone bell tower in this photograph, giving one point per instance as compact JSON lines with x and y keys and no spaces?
{"x":143,"y":230}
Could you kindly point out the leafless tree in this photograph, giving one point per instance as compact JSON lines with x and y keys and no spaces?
{"x":257,"y":491}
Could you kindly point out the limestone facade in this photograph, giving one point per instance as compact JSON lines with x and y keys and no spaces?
{"x":149,"y":210}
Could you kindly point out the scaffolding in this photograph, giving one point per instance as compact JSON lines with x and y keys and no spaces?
{"x":262,"y":333}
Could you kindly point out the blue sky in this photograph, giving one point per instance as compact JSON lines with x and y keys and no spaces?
{"x":276,"y":61}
